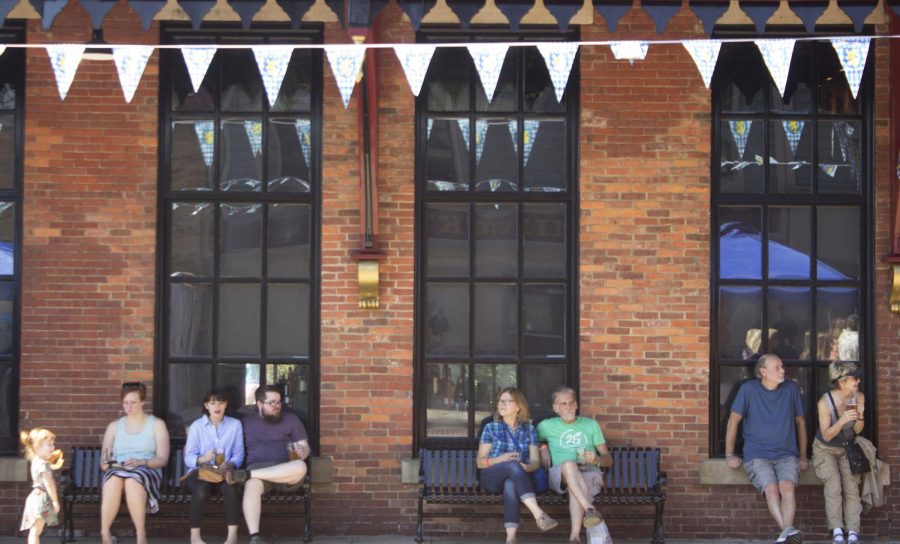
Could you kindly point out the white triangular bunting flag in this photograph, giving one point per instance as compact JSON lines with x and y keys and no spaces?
{"x":130,"y":64}
{"x":793,"y":131}
{"x":488,"y":58}
{"x":272,"y":62}
{"x":303,"y":127}
{"x":852,"y":53}
{"x":414,"y":59}
{"x":705,"y":54}
{"x":630,"y":50}
{"x":345,"y":61}
{"x":206,"y":138}
{"x":777,"y":55}
{"x":2,"y":49}
{"x":740,"y":131}
{"x":197,"y":60}
{"x":481,"y":128}
{"x":64,"y":59}
{"x":559,"y":58}
{"x":531,"y":129}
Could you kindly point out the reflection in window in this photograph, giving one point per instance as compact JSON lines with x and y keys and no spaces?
{"x":241,"y":230}
{"x":12,"y":76}
{"x":494,"y":223}
{"x":789,"y":269}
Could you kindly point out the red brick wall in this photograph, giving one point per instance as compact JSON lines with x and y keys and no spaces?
{"x":89,"y":268}
{"x":89,"y":238}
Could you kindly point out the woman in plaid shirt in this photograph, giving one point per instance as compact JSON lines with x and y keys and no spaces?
{"x":508,"y":452}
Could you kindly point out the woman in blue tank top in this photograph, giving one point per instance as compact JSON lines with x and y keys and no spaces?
{"x":135,"y":448}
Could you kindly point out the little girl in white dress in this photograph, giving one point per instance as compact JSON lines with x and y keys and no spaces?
{"x":42,"y":504}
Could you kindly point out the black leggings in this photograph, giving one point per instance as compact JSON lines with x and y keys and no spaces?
{"x":200,"y":494}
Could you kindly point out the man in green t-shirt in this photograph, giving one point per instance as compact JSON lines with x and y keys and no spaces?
{"x":577,"y":449}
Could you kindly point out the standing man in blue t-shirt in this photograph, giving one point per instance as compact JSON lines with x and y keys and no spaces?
{"x":772,"y":413}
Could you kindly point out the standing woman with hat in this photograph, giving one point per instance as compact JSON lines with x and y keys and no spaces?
{"x":840,"y":420}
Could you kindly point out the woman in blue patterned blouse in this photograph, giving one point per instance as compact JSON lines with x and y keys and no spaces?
{"x":508,"y":452}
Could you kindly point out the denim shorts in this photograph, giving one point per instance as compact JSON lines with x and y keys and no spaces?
{"x":765,"y":472}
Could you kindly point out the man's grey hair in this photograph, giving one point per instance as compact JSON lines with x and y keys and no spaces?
{"x":761,"y":363}
{"x":562,"y":390}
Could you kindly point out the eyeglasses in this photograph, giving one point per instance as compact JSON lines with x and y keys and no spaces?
{"x":272,"y":403}
{"x":506,"y":401}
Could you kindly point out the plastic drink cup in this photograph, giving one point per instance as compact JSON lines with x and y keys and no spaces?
{"x":220,"y":457}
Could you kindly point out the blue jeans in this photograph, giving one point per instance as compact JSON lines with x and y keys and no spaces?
{"x":510,"y":479}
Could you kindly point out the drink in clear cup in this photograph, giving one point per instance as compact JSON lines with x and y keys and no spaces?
{"x":220,"y":457}
{"x":851,"y":401}
{"x":293,"y":450}
{"x":579,"y":456}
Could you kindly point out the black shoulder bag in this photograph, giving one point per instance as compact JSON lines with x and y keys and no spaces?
{"x":859,"y":463}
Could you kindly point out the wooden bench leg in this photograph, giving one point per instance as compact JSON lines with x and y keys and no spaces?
{"x":659,"y":535}
{"x":420,"y":529}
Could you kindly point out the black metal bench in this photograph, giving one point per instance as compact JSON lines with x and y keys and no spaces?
{"x":82,"y":482}
{"x":449,"y":478}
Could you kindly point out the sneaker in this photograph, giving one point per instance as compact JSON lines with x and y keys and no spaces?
{"x":592,"y":518}
{"x":257,"y":539}
{"x":837,"y":536}
{"x":545,"y":522}
{"x":793,"y":536}
{"x":235,"y":476}
{"x":853,"y":538}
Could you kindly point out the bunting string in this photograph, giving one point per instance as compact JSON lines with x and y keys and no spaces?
{"x":346,"y":60}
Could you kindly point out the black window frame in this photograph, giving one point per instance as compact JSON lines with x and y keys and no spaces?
{"x":864,"y":202}
{"x":14,"y":33}
{"x":178,"y":33}
{"x":472,"y":198}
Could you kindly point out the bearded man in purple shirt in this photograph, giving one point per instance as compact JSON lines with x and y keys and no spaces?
{"x":277,"y":446}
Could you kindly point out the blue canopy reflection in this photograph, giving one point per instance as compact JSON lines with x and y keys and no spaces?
{"x":740,"y":256}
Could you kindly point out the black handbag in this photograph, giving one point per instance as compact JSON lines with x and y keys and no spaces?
{"x":859,"y":463}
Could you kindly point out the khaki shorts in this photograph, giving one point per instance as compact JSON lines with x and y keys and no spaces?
{"x":269,"y":486}
{"x":593,"y":477}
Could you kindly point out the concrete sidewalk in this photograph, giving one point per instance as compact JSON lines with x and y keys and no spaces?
{"x":407,"y":539}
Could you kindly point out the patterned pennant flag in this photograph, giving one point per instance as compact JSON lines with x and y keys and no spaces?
{"x":705,"y":54}
{"x":463,"y":125}
{"x":197,"y":60}
{"x":793,"y":130}
{"x":2,"y":49}
{"x":488,"y":58}
{"x":345,"y":61}
{"x":272,"y":62}
{"x":514,"y":133}
{"x":206,"y":136}
{"x":64,"y":59}
{"x":559,"y":58}
{"x":254,"y":134}
{"x":430,"y":126}
{"x":531,"y":130}
{"x":852,"y":53}
{"x":777,"y":54}
{"x":630,"y":50}
{"x":740,"y":131}
{"x":481,"y":127}
{"x":303,"y":134}
{"x":414,"y":59}
{"x":130,"y":63}
{"x":829,"y":169}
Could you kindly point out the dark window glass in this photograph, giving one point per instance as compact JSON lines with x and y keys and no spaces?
{"x":790,"y":199}
{"x":494,"y":227}
{"x":241,"y":227}
{"x":12,"y":87}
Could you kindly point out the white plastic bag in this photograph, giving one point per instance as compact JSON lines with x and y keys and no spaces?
{"x":599,"y":535}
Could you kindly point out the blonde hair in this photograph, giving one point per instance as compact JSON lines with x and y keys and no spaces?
{"x":33,"y":439}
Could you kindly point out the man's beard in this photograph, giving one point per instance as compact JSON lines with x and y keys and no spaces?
{"x":272,"y":418}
